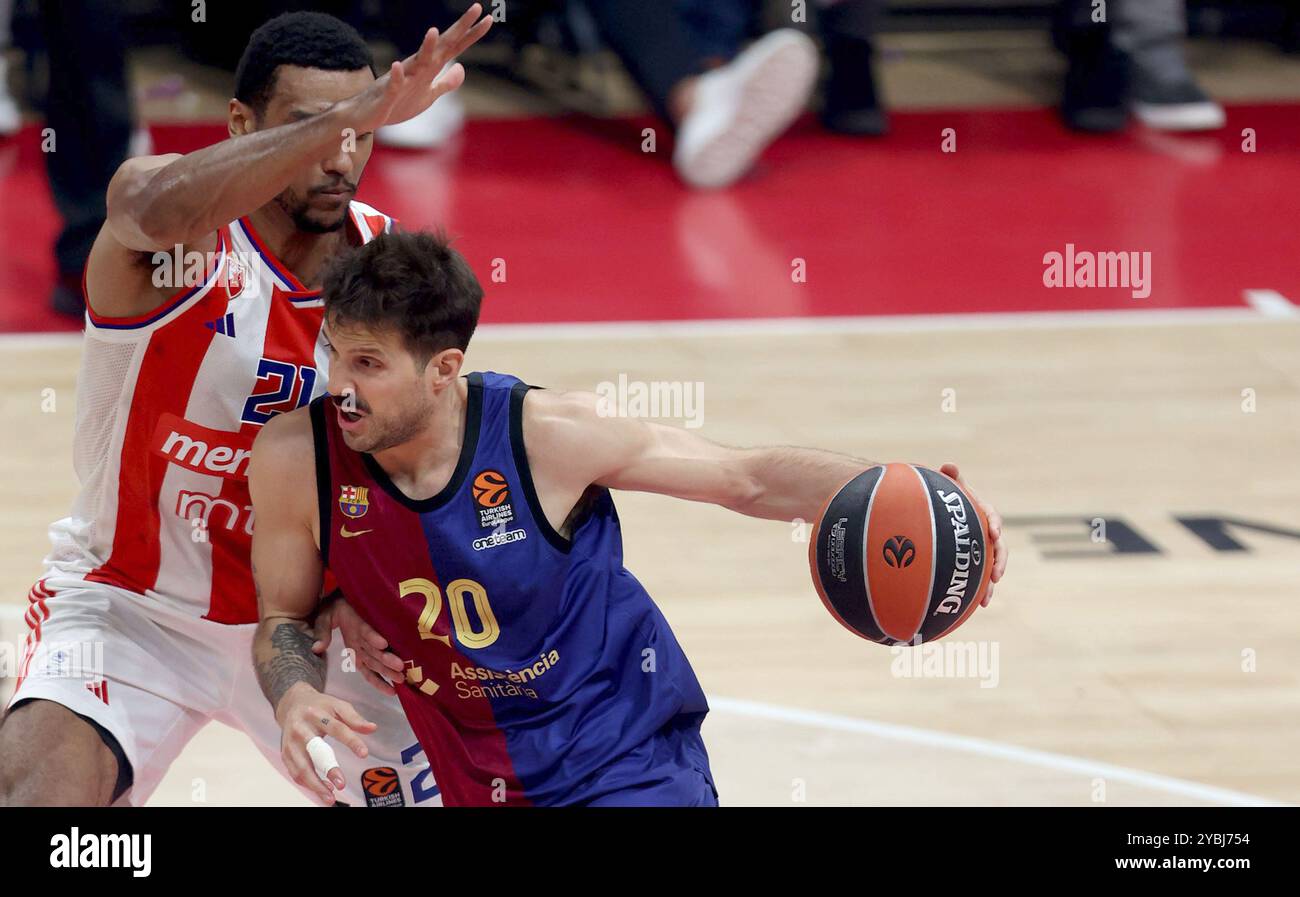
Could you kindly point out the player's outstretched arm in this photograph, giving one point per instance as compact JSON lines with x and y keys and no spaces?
{"x":157,"y":202}
{"x":287,"y":571}
{"x":778,"y":483}
{"x":773,"y":482}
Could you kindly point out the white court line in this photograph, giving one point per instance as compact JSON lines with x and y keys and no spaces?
{"x":1271,"y":304}
{"x":966,"y":744}
{"x":588,"y":330}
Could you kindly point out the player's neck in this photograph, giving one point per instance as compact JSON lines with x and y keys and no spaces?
{"x":423,"y":465}
{"x":301,"y":252}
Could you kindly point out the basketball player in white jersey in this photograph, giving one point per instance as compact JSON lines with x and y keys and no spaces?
{"x":202,"y":324}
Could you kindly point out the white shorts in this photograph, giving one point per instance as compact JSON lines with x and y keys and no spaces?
{"x":153,"y":677}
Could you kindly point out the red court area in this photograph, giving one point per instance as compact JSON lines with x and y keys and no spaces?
{"x":585,"y":227}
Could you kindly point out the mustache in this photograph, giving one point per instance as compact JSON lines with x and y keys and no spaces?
{"x":357,"y":404}
{"x":346,"y":184}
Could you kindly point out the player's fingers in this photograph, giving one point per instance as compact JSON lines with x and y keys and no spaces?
{"x":472,"y":36}
{"x":995,"y":521}
{"x":424,"y":57}
{"x":396,"y":80}
{"x":385,"y":663}
{"x":379,"y":683}
{"x":323,"y":629}
{"x":359,"y":634}
{"x":297,"y":757}
{"x":449,"y":80}
{"x":351,"y":718}
{"x":462,"y":25}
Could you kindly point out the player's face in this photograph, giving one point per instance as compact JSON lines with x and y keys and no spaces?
{"x":317,"y":199}
{"x":380,"y":390}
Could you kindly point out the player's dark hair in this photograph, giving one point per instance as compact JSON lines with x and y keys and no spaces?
{"x":308,"y":39}
{"x":409,"y":281}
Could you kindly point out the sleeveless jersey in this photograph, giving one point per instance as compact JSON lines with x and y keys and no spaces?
{"x":535,"y":663}
{"x":168,"y":405}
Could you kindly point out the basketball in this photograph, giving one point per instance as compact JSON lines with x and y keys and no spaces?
{"x":900,"y":553}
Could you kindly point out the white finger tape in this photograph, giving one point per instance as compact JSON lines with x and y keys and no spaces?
{"x":322,"y":756}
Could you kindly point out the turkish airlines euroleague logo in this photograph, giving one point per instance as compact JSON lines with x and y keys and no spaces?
{"x":492,"y":496}
{"x":382,"y":787}
{"x":899,"y":552}
{"x":490,"y":489}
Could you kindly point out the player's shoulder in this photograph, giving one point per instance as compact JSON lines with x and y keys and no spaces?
{"x":284,"y":437}
{"x":558,"y":405}
{"x":560,"y":421}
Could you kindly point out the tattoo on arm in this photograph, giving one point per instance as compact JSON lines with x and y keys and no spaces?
{"x":289,"y":661}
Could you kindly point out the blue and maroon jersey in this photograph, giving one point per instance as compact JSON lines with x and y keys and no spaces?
{"x":538,"y":668}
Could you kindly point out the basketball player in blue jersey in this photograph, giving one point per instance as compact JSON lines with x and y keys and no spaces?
{"x":468,"y":520}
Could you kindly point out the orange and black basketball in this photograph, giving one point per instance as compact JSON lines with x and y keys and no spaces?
{"x":380,"y":781}
{"x":901,"y":551}
{"x":490,"y":489}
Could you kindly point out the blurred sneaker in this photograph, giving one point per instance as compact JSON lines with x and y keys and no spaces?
{"x":433,"y":127}
{"x":851,"y":106}
{"x":739,"y":109}
{"x":1093,"y":99}
{"x":141,"y":142}
{"x":1177,"y":106}
{"x":11,"y":117}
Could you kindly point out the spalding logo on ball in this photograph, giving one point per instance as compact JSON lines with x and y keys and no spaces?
{"x":900,"y":553}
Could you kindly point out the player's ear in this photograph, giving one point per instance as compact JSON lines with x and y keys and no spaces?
{"x":242,"y":120}
{"x":444,"y":367}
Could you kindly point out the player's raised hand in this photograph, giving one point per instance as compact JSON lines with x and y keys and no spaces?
{"x":995,"y":529}
{"x":305,"y":714}
{"x":413,"y":84}
{"x":379,"y":666}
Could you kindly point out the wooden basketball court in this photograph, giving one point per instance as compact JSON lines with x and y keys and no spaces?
{"x":1154,"y":677}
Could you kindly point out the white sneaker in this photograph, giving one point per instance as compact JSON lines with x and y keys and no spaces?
{"x":432,"y":127}
{"x":740,"y":108}
{"x":1176,"y":106}
{"x":11,"y":117}
{"x":141,"y":142}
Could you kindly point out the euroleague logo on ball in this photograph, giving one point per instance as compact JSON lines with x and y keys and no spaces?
{"x":899,"y":552}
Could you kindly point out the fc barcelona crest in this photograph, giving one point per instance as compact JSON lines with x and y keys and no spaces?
{"x":353,"y":501}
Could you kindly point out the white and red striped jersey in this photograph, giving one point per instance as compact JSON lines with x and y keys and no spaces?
{"x":168,"y":404}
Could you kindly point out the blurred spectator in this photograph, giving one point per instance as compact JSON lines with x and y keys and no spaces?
{"x":89,"y":110}
{"x":725,"y":111}
{"x":1163,"y":93}
{"x":11,"y":118}
{"x":850,"y":104}
{"x":1096,"y":77}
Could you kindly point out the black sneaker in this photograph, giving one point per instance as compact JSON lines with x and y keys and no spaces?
{"x":1174,"y":106}
{"x":1095,"y":81}
{"x":851,"y":105}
